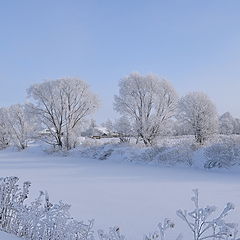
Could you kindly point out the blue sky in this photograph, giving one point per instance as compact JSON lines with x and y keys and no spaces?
{"x":194,"y":44}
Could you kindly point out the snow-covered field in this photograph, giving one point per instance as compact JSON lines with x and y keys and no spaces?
{"x":7,"y":236}
{"x":132,"y":196}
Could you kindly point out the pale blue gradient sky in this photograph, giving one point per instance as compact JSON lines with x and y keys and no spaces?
{"x":194,"y":44}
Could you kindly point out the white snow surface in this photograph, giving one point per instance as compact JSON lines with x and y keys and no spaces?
{"x":116,"y":193}
{"x":7,"y":236}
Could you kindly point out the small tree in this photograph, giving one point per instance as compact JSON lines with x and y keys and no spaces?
{"x":198,"y":112}
{"x":148,"y":102}
{"x":62,"y":105}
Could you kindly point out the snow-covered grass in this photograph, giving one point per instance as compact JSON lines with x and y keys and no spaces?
{"x":134,"y":197}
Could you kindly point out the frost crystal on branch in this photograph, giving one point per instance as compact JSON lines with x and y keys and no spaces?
{"x":113,"y":234}
{"x":44,"y":220}
{"x":203,"y":227}
{"x":41,"y":220}
{"x":160,"y":234}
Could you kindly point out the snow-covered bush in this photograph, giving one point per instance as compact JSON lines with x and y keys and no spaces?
{"x":180,"y":153}
{"x":152,"y":153}
{"x":41,"y":220}
{"x":225,"y":153}
{"x":160,"y":233}
{"x":204,"y":226}
{"x":113,"y":234}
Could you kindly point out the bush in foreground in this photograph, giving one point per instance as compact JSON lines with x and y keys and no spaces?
{"x":42,"y":220}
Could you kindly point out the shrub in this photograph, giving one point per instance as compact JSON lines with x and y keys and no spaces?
{"x":223,"y":154}
{"x":41,"y":220}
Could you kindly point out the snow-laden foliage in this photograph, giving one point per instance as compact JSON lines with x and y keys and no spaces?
{"x":198,"y":112}
{"x":161,"y":232}
{"x":204,"y":226}
{"x":226,"y":124}
{"x":181,"y":153}
{"x":17,"y":126}
{"x":62,"y":105}
{"x":43,"y":220}
{"x":39,"y":220}
{"x":5,"y":136}
{"x":22,"y":124}
{"x":124,"y":129}
{"x":113,"y":234}
{"x":219,"y":152}
{"x":178,"y":153}
{"x":148,"y":101}
{"x":225,"y":153}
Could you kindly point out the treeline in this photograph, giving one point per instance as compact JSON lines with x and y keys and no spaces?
{"x":57,"y":113}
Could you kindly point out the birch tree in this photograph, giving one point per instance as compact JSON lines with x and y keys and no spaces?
{"x":148,"y":102}
{"x":62,"y":105}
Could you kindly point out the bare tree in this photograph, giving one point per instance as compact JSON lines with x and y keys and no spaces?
{"x":148,"y":102}
{"x":198,"y":112}
{"x":62,"y":105}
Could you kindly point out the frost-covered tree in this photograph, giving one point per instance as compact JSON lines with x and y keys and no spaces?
{"x":5,"y":136}
{"x":62,"y":106}
{"x":226,"y":124}
{"x":148,"y":102}
{"x":21,"y":124}
{"x":198,"y":112}
{"x":180,"y":128}
{"x":236,"y":126}
{"x":124,"y":129}
{"x":108,"y":125}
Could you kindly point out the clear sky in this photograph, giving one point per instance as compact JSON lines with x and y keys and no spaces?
{"x":195,"y":44}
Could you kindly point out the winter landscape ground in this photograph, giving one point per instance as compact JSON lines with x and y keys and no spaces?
{"x":133,"y":196}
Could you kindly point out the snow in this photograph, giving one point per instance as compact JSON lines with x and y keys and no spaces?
{"x":6,"y":236}
{"x":132,"y":196}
